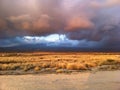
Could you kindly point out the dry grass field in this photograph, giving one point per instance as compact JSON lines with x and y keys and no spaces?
{"x":57,"y":62}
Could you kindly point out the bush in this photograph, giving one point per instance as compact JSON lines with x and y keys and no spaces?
{"x":61,"y":65}
{"x":37,"y":68}
{"x":110,"y":62}
{"x":73,"y":66}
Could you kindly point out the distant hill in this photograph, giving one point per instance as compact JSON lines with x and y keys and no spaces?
{"x":42,"y":47}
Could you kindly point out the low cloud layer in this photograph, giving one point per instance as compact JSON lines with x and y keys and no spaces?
{"x":96,"y":21}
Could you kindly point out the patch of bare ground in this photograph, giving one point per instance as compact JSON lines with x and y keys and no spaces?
{"x":103,"y":80}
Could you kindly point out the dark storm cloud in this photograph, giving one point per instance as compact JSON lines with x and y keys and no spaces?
{"x":92,"y":21}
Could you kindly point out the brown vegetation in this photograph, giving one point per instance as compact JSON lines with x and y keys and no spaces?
{"x":58,"y":62}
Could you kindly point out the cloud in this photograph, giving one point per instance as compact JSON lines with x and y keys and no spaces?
{"x":42,"y":23}
{"x":3,"y":23}
{"x":110,"y":3}
{"x":19,"y":18}
{"x":79,"y":23}
{"x":53,"y":40}
{"x":105,"y":3}
{"x":93,"y":21}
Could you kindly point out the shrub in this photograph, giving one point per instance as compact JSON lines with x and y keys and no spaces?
{"x":90,"y":65}
{"x":73,"y":66}
{"x":45,"y":65}
{"x":28,"y":67}
{"x":110,"y":62}
{"x":59,"y":71}
{"x":61,"y":65}
{"x":37,"y":68}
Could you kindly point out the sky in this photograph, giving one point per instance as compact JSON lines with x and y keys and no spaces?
{"x":82,"y":24}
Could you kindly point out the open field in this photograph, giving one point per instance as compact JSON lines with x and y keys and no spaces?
{"x":103,"y":80}
{"x":57,"y":62}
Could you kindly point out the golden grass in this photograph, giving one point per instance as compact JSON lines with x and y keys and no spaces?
{"x":110,"y":62}
{"x":75,"y":66}
{"x":58,"y":61}
{"x":37,"y":68}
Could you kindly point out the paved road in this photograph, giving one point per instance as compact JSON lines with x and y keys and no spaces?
{"x":107,"y":80}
